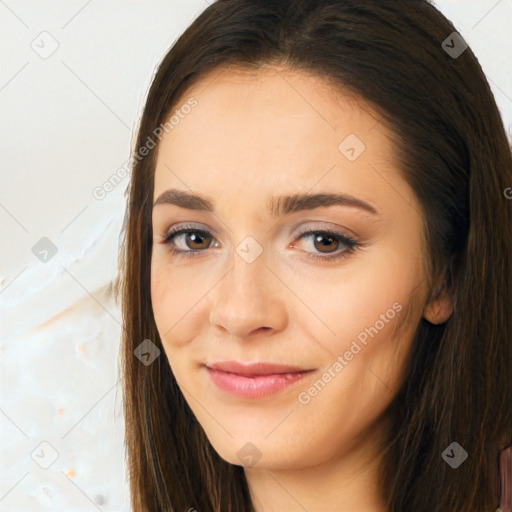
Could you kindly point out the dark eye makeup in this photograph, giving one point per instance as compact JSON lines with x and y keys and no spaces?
{"x":349,"y":245}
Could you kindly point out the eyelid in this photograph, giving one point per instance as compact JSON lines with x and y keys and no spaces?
{"x":314,"y":225}
{"x":350,"y":242}
{"x":293,"y":232}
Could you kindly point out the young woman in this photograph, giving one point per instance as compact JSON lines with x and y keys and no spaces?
{"x":315,"y":272}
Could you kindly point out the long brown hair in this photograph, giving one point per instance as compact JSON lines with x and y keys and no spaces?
{"x":453,"y":151}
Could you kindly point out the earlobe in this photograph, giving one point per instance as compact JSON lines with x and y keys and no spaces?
{"x":440,"y":308}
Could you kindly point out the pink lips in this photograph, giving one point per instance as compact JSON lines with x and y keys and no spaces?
{"x":253,"y":380}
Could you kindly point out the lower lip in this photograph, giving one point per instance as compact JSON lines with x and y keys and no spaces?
{"x":254,"y":387}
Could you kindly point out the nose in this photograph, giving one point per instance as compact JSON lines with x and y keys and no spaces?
{"x":248,"y":300}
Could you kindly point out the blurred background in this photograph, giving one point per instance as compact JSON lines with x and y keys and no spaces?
{"x":73,"y":79}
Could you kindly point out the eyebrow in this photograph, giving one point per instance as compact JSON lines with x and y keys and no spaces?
{"x":277,"y":205}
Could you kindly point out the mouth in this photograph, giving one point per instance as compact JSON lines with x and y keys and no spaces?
{"x":254,"y":380}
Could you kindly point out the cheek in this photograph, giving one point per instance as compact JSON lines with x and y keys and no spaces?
{"x":364,"y":368}
{"x":385,"y":282}
{"x":178,"y":300}
{"x":370,"y":318}
{"x":353,"y":303}
{"x":166,"y":303}
{"x":161,"y":299}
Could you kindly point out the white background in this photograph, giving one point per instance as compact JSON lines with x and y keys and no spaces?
{"x":67,"y":123}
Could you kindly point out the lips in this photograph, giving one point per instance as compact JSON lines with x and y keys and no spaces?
{"x":254,"y":380}
{"x":254,"y":369}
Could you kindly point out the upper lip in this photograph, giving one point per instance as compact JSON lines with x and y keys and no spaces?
{"x":254,"y":369}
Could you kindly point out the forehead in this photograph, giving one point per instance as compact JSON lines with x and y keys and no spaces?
{"x":268,"y":130}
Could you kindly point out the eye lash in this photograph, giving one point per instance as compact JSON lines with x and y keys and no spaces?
{"x":350,"y":244}
{"x":181,"y":230}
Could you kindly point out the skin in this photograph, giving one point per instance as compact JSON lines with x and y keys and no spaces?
{"x":277,"y":131}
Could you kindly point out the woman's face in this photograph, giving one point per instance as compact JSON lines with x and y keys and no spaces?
{"x":258,"y":289}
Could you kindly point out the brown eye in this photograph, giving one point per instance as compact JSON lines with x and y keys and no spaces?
{"x":328,"y":245}
{"x":188,"y":241}
{"x":196,"y":241}
{"x":325,"y":241}
{"x":191,"y":240}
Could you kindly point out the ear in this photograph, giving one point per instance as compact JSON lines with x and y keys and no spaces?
{"x":440,"y":308}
